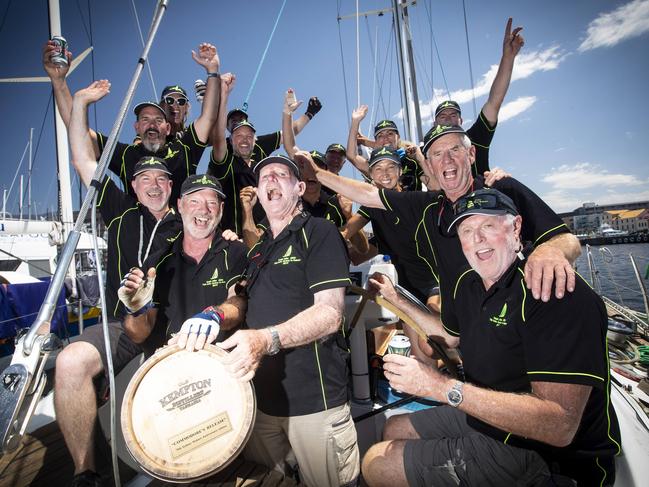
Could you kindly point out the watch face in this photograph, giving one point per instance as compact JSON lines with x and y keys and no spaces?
{"x":454,"y":396}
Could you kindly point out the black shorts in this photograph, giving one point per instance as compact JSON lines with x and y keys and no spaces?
{"x":122,"y":350}
{"x":452,"y":453}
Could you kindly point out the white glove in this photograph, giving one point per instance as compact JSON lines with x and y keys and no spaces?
{"x":137,"y":297}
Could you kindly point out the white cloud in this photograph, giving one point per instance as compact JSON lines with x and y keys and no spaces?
{"x":611,"y":28}
{"x":515,"y":107}
{"x":526,"y":65}
{"x":563,"y":201}
{"x":585,"y":175}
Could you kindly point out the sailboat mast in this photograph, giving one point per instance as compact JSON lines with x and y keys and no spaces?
{"x":411,"y":113}
{"x":62,"y":154}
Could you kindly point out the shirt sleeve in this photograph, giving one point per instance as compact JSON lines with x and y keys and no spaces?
{"x":193,"y":148}
{"x":481,"y":133}
{"x":565,"y":339}
{"x":334,"y":212}
{"x":327,"y":265}
{"x":540,"y":223}
{"x":267,"y":144}
{"x":237,"y":262}
{"x":219,"y":169}
{"x":115,"y":164}
{"x":112,"y":202}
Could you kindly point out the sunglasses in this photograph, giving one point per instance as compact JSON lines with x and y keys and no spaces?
{"x":483,"y":202}
{"x":170,"y":100}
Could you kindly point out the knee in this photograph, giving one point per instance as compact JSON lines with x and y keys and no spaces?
{"x":78,"y":360}
{"x":378,"y":466}
{"x":398,"y":428}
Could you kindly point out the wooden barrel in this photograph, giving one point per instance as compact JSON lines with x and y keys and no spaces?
{"x":183,"y":417}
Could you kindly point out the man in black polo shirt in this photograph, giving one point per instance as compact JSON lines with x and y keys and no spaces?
{"x":175,"y":103}
{"x":232,"y":158}
{"x":536,"y":400}
{"x":140,"y":229}
{"x":181,"y":155}
{"x":294,"y":346}
{"x":482,"y":131}
{"x":449,"y":158}
{"x":192,"y":278}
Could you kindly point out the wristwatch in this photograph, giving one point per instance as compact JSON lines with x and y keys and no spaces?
{"x":275,"y":344}
{"x":454,"y":394}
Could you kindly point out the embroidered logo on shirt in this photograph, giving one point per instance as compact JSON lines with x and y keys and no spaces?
{"x":500,"y":319}
{"x":287,"y":258}
{"x":171,"y":153}
{"x":214,"y":281}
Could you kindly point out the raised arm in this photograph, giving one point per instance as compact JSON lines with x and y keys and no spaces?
{"x":62,"y":95}
{"x":512,"y":44}
{"x":209,"y":59}
{"x":352,"y":145}
{"x":357,"y":191}
{"x":217,"y":136}
{"x":81,"y":145}
{"x":288,"y":127}
{"x":313,"y":107}
{"x":249,"y":230}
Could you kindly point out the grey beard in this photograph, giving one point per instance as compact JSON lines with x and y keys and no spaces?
{"x":152,"y":147}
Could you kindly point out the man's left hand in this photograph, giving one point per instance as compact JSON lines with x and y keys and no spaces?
{"x":545,"y":266}
{"x":314,"y":107}
{"x":411,"y":376}
{"x":248,"y":348}
{"x":496,"y":174}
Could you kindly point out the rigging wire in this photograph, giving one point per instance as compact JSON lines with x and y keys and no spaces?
{"x":358,"y":59}
{"x":148,"y":63}
{"x":439,"y":58}
{"x":374,"y":64}
{"x":22,"y":158}
{"x":342,"y":59}
{"x":4,"y":15}
{"x":92,"y":59}
{"x":263,"y":57}
{"x":388,"y":54}
{"x":468,"y":50}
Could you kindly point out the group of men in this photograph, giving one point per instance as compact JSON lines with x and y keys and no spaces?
{"x":276,"y":302}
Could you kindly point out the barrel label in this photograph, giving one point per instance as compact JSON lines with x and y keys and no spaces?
{"x":202,"y":433}
{"x":186,"y":395}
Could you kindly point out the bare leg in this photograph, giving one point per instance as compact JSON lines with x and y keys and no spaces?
{"x":75,"y":401}
{"x":399,"y":427}
{"x":383,"y":465}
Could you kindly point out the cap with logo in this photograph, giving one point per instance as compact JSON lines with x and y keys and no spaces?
{"x":486,"y":201}
{"x":384,"y":154}
{"x":439,"y":131}
{"x":319,"y":158}
{"x":336,"y":148}
{"x":138,"y":108}
{"x":198,"y":182}
{"x":384,"y":125}
{"x":234,"y":111}
{"x":243,"y":123}
{"x":450,"y":104}
{"x":150,"y":163}
{"x":174,"y":90}
{"x":277,"y":160}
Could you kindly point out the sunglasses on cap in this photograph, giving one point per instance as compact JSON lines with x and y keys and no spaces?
{"x":482,"y":202}
{"x":170,"y":100}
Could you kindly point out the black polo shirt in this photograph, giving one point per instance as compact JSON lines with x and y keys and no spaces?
{"x":509,"y":339}
{"x":481,"y":133}
{"x":185,"y":287}
{"x":411,"y":173}
{"x":326,"y":206}
{"x":284,"y":273}
{"x":182,"y":156}
{"x":131,"y":228}
{"x":430,"y":213}
{"x":394,"y":237}
{"x":234,"y":175}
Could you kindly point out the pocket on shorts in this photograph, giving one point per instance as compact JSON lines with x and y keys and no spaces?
{"x":347,"y":456}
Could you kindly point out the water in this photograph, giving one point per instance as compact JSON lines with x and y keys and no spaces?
{"x":615,"y":272}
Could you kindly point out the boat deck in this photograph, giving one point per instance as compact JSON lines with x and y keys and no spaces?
{"x":43,"y":460}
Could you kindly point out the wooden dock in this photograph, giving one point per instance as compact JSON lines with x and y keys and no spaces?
{"x":43,"y":461}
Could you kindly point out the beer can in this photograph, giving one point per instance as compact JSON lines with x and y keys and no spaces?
{"x":59,"y":58}
{"x":400,"y":344}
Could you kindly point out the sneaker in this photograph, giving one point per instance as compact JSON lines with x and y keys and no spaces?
{"x":86,"y":479}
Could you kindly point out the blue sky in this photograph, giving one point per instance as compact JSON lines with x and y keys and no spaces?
{"x":573,"y":127}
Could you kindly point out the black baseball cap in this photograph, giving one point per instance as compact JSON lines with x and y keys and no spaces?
{"x":150,"y":163}
{"x":439,"y":131}
{"x":453,"y":105}
{"x":243,"y":123}
{"x":336,"y":148}
{"x":175,"y":89}
{"x":201,"y":181}
{"x":383,"y":154}
{"x":277,"y":160}
{"x":237,"y":110}
{"x":319,"y":158}
{"x":486,"y":201}
{"x":385,"y":125}
{"x":138,"y":108}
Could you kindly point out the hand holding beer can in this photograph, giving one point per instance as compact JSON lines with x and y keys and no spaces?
{"x":400,"y":345}
{"x":59,"y":58}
